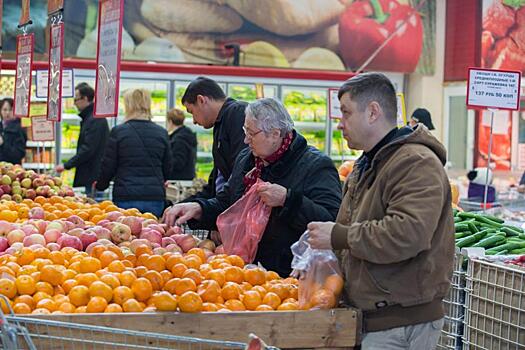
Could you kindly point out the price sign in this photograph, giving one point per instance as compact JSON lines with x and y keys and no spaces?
{"x":54,"y":6}
{"x":401,"y":110}
{"x":56,"y":55}
{"x":42,"y":82}
{"x":334,"y":105}
{"x":497,"y":89}
{"x":110,"y":13}
{"x":24,"y":15}
{"x":42,"y":129}
{"x":24,"y":61}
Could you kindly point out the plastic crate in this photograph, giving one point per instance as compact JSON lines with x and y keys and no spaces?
{"x":495,"y":306}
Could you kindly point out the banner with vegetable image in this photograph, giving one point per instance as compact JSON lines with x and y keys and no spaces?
{"x":501,"y":139}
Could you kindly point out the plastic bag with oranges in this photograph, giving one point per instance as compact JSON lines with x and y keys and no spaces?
{"x":242,"y":225}
{"x":321,"y":281}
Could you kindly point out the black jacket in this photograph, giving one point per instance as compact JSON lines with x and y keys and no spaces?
{"x":138,"y":160}
{"x":94,"y":134}
{"x":183,"y":144}
{"x":228,"y":141}
{"x":13,"y":150}
{"x":314,"y":194}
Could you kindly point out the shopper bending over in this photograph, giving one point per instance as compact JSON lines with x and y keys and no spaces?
{"x":13,"y":137}
{"x":137,"y":158}
{"x":394,"y":233}
{"x":183,"y":143}
{"x":303,"y":184}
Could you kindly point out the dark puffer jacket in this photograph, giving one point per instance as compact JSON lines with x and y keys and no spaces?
{"x":13,"y":149}
{"x":314,"y":194}
{"x":138,"y":160}
{"x":183,"y":143}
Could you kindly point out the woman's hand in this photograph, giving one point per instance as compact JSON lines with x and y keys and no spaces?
{"x":272,"y":195}
{"x":180,"y":213}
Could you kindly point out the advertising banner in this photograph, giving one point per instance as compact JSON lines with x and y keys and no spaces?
{"x":54,"y":88}
{"x":24,"y":61}
{"x":24,"y":14}
{"x":54,"y":6}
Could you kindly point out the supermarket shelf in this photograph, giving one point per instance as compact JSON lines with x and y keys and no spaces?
{"x":39,"y":144}
{"x":310,"y":125}
{"x":37,"y":165}
{"x":204,"y":155}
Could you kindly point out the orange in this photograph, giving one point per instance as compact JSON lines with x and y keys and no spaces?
{"x":111,"y":308}
{"x":323,"y":299}
{"x":116,"y":250}
{"x":260,"y":290}
{"x":45,"y":287}
{"x":166,"y":276}
{"x":81,"y":310}
{"x":231,"y":291}
{"x":8,"y":215}
{"x":90,"y":264}
{"x":23,"y":213}
{"x":190,"y":302}
{"x":143,"y":249}
{"x":192,"y":261}
{"x":271,"y":299}
{"x":116,"y":266}
{"x":102,"y":272}
{"x":170,"y":285}
{"x":79,"y":295}
{"x":198,"y":252}
{"x":334,"y":283}
{"x":111,"y":280}
{"x":67,"y":308}
{"x":217,"y":275}
{"x":235,"y":305}
{"x":41,"y":311}
{"x":25,"y":285}
{"x":288,"y":307}
{"x":142,"y":289}
{"x":86,"y":279}
{"x":272,"y":275}
{"x":174,"y":259}
{"x":281,"y":290}
{"x":195,"y":275}
{"x":251,"y":300}
{"x":107,"y":257}
{"x":26,"y":256}
{"x":41,"y":253}
{"x":13,"y":266}
{"x":5,"y":306}
{"x":209,"y":291}
{"x":25,"y":299}
{"x":245,"y":286}
{"x":209,"y":307}
{"x":40,"y":295}
{"x":7,"y":270}
{"x":100,"y":289}
{"x":205,"y":268}
{"x":98,"y":250}
{"x":155,"y":262}
{"x":140,"y":271}
{"x":178,"y":270}
{"x":293,"y":291}
{"x":21,"y":308}
{"x":126,"y":278}
{"x":57,"y":258}
{"x":184,"y":285}
{"x":121,"y":294}
{"x":49,"y":304}
{"x":96,"y":218}
{"x":217,"y":263}
{"x":67,"y":285}
{"x":51,"y":274}
{"x":96,"y":304}
{"x":61,"y":298}
{"x":264,"y":307}
{"x":164,"y":301}
{"x":157,"y":282}
{"x":75,"y":266}
{"x":132,"y":305}
{"x":127,"y":264}
{"x":234,"y":274}
{"x":256,"y":276}
{"x":235,"y":260}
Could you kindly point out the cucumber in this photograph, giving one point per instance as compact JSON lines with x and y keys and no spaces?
{"x":503,"y":252}
{"x":493,"y":218}
{"x":472,"y":227}
{"x":481,"y":218}
{"x":461,"y":227}
{"x":515,"y":228}
{"x":457,"y":219}
{"x":469,"y":240}
{"x":509,"y":231}
{"x":455,"y":212}
{"x":490,"y":241}
{"x":507,"y":246}
{"x":463,"y":234}
{"x":518,"y":251}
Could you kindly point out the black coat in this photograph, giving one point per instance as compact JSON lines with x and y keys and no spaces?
{"x":94,"y":134}
{"x":314,"y":194}
{"x":228,"y":141}
{"x":183,"y":143}
{"x":138,"y":160}
{"x":13,"y":149}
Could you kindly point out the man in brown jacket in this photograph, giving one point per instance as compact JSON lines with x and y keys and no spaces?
{"x":394,"y":230}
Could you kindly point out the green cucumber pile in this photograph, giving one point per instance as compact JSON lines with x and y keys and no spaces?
{"x":489,"y":232}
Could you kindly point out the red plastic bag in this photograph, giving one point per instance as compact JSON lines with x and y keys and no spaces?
{"x":242,"y":225}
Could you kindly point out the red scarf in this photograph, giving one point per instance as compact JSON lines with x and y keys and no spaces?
{"x":251,"y":177}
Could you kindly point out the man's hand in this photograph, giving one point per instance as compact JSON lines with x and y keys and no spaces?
{"x":180,"y":213}
{"x":320,"y":235}
{"x":272,"y":195}
{"x":59,"y":168}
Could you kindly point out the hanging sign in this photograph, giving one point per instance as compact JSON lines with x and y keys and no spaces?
{"x":42,"y":129}
{"x":334,"y":105}
{"x":496,"y":89}
{"x":24,"y":15}
{"x":24,"y":61}
{"x":1,"y":15}
{"x":41,"y":83}
{"x":56,"y":55}
{"x":110,"y":13}
{"x":401,"y":110}
{"x":54,"y":6}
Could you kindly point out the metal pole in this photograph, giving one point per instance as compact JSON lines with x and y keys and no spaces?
{"x":492,"y":112}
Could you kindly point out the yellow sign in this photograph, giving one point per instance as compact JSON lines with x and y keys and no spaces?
{"x":401,"y":110}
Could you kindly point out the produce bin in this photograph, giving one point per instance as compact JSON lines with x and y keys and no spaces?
{"x":320,"y":329}
{"x":495,"y":306}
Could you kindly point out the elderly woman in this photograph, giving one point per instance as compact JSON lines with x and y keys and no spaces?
{"x":137,"y":158}
{"x":302,"y":184}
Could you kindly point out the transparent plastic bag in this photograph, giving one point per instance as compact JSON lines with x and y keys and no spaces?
{"x":321,"y":281}
{"x":242,"y":225}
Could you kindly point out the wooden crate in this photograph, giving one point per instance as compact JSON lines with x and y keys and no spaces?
{"x":320,"y":329}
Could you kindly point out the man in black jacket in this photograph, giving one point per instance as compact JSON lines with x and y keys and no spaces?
{"x":210,"y":107}
{"x":94,"y":133}
{"x":183,"y":144}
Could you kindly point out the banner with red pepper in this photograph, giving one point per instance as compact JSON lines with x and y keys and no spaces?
{"x":501,"y":139}
{"x":385,"y":35}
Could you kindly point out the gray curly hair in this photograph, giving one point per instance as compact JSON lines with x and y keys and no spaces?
{"x":270,"y":114}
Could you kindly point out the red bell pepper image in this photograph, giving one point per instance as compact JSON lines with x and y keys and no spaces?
{"x":367,"y":24}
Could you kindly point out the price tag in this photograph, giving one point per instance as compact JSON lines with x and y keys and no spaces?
{"x":56,"y":54}
{"x":24,"y":61}
{"x":68,"y":84}
{"x":110,"y":13}
{"x":497,"y":89}
{"x":334,"y":105}
{"x":401,"y":110}
{"x":42,"y":129}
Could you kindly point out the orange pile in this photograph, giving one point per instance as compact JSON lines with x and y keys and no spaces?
{"x":63,"y":207}
{"x":69,"y":281}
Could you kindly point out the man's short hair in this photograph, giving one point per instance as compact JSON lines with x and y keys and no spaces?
{"x":367,"y":87}
{"x":86,"y":91}
{"x":205,"y":87}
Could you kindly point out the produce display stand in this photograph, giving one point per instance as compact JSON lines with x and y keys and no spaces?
{"x":336,"y":329}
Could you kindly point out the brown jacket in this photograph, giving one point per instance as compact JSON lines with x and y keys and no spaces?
{"x":394,"y":233}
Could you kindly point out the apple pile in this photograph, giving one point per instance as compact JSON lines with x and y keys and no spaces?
{"x":16,"y":184}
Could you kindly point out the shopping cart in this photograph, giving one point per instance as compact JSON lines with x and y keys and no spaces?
{"x":25,"y":332}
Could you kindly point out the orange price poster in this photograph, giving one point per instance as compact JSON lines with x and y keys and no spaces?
{"x":24,"y":16}
{"x":24,"y":62}
{"x":54,"y":6}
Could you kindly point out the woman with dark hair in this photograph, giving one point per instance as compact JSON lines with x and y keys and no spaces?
{"x":13,"y":137}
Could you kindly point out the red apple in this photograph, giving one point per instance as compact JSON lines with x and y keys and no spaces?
{"x":207,"y":244}
{"x":151,"y":235}
{"x":148,"y":222}
{"x":29,"y":229}
{"x":87,"y":238}
{"x":114,"y":215}
{"x":57,"y":225}
{"x":90,"y":247}
{"x":136,"y":242}
{"x":4,"y":244}
{"x":70,"y":241}
{"x":133,"y":222}
{"x":5,"y":228}
{"x":77,"y":221}
{"x":101,"y":232}
{"x":167,"y":241}
{"x":173,"y":248}
{"x":31,"y":194}
{"x":75,"y":232}
{"x":157,"y":228}
{"x":37,"y":213}
{"x":34,"y":239}
{"x":159,"y":251}
{"x":52,"y":235}
{"x":15,"y":236}
{"x":53,"y":246}
{"x":120,"y":233}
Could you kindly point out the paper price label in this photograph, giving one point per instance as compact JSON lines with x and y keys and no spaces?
{"x":334,"y":105}
{"x":495,"y":89}
{"x":68,"y":83}
{"x":42,"y":129}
